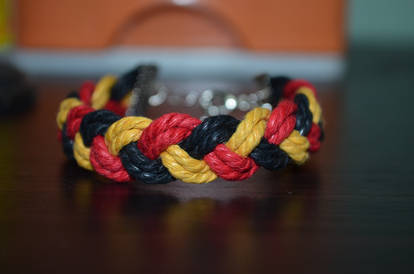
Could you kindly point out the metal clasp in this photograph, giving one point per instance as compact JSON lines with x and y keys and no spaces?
{"x":216,"y":102}
{"x":148,"y":91}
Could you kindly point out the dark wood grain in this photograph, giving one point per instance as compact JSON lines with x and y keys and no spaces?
{"x":348,"y":210}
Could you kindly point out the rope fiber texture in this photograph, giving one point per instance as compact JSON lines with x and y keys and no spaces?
{"x":95,"y":134}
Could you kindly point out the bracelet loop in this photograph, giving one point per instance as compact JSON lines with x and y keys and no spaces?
{"x":177,"y":146}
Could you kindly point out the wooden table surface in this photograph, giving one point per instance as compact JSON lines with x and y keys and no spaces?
{"x":348,"y":210}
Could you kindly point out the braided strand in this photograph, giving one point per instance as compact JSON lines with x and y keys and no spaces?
{"x":178,"y":146}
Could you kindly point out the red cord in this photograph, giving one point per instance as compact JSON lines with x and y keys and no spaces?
{"x":229,"y":165}
{"x":86,"y":90}
{"x":292,"y":86}
{"x":74,"y":119}
{"x":281,"y":122}
{"x":105,"y":163}
{"x":167,"y":130}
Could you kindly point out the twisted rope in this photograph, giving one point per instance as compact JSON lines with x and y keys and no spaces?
{"x":178,"y":146}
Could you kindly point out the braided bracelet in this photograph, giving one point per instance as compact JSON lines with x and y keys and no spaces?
{"x":96,"y":133}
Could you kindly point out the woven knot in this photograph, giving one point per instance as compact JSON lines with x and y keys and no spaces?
{"x":86,"y":91}
{"x":105,"y":163}
{"x":281,"y":122}
{"x":229,"y":165}
{"x":74,"y":119}
{"x":165,"y":131}
{"x":178,"y":146}
{"x":292,"y":86}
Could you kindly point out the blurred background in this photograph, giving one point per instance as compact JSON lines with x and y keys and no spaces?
{"x":302,"y":37}
{"x":308,"y":39}
{"x":200,"y":39}
{"x":195,"y":38}
{"x":348,"y":210}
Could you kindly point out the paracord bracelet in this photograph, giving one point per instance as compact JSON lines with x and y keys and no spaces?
{"x":175,"y":146}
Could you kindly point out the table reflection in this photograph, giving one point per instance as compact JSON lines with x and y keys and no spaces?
{"x":149,"y":222}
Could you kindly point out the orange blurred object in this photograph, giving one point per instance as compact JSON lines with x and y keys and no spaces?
{"x":260,"y":25}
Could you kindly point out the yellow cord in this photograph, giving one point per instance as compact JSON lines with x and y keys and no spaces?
{"x":125,"y":131}
{"x":182,"y":166}
{"x":314,"y":106}
{"x":126,"y":101}
{"x":102,"y":91}
{"x":296,"y":147}
{"x":249,"y":132}
{"x":81,"y":152}
{"x":64,"y":109}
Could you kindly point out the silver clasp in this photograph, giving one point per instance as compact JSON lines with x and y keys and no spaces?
{"x":148,"y":91}
{"x":216,"y":102}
